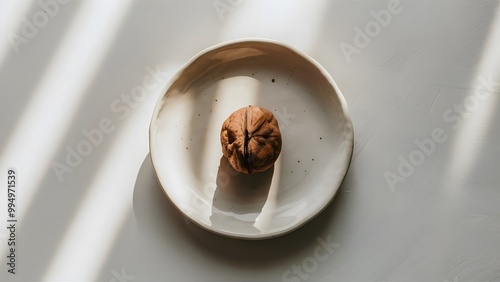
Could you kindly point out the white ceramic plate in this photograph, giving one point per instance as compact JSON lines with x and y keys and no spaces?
{"x":315,"y":125}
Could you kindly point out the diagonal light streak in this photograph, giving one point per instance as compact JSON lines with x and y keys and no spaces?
{"x":51,"y":109}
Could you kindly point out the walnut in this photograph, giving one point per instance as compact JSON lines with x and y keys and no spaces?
{"x":251,"y":139}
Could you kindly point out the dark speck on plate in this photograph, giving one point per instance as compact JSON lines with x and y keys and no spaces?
{"x":272,"y":80}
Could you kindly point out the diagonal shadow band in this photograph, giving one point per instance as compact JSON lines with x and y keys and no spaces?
{"x":16,"y":78}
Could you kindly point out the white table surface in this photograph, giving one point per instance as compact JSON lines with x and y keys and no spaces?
{"x":429,"y":75}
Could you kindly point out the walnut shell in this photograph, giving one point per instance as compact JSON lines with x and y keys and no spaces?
{"x":251,"y":139}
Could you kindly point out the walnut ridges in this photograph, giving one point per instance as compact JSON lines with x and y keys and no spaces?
{"x":251,"y":139}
